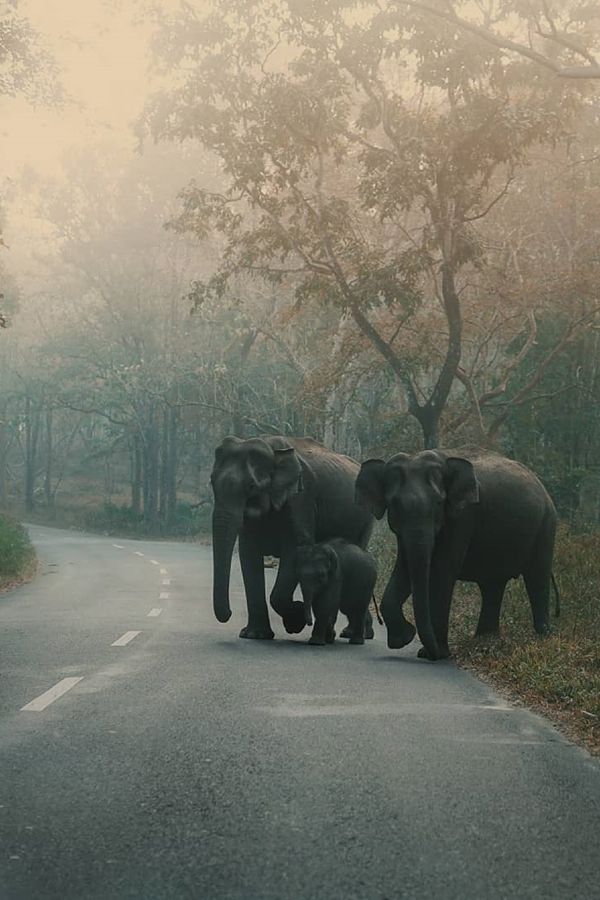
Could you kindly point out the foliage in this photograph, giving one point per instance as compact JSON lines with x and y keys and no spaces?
{"x":561,"y":36}
{"x":336,"y":176}
{"x":112,"y":518}
{"x":16,"y":551}
{"x":26,"y":67}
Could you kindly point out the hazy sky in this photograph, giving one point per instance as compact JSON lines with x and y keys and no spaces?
{"x":103,"y":54}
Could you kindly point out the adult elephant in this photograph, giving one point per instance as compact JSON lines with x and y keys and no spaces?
{"x":467,"y":516}
{"x":277,"y":493}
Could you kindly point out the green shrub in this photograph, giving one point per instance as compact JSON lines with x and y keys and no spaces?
{"x":16,"y":550}
{"x":113,"y":518}
{"x":190,"y":519}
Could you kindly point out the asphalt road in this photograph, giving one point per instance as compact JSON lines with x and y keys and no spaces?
{"x":186,"y":763}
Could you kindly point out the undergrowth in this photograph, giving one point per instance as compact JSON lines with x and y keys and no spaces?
{"x":17,"y":556}
{"x":121,"y":520}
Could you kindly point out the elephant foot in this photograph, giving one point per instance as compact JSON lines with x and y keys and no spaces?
{"x":357,"y":640}
{"x":316,"y":641}
{"x":346,"y":632}
{"x":294,"y":618}
{"x":484,"y":631}
{"x":257,"y":634}
{"x":369,"y":633}
{"x":330,"y":635}
{"x":442,"y":652}
{"x":400,"y":637}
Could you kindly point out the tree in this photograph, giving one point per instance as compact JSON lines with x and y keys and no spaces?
{"x":339,"y":176}
{"x":27,"y":70}
{"x":566,"y":31}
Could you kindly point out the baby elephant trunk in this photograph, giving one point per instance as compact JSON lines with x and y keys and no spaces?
{"x":307,"y":598}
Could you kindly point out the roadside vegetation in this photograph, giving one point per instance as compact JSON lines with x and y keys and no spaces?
{"x":558,"y":675}
{"x":17,"y":556}
{"x":92,"y":512}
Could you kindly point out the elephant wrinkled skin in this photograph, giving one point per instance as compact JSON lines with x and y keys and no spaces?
{"x":276,"y":493}
{"x":336,"y":575}
{"x":459,"y":516}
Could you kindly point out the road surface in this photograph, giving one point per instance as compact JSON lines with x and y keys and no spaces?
{"x":147,"y":752}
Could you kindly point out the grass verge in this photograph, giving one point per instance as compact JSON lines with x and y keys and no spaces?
{"x":558,"y":675}
{"x":17,"y":555}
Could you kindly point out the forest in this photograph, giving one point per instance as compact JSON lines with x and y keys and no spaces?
{"x":375,"y":224}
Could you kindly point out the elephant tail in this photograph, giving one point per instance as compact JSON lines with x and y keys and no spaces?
{"x":556,"y":596}
{"x":377,"y":613}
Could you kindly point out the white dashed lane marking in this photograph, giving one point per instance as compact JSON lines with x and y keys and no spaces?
{"x":163,"y":571}
{"x":138,"y":553}
{"x":154,"y":562}
{"x":166,"y":581}
{"x":51,"y":695}
{"x":125,"y":638}
{"x":118,"y":546}
{"x":163,"y":595}
{"x":155,"y":612}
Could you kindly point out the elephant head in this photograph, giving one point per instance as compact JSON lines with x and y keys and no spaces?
{"x":420,"y":493}
{"x":317,"y":565}
{"x":250,"y":479}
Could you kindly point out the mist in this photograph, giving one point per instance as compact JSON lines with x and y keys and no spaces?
{"x":385,"y":234}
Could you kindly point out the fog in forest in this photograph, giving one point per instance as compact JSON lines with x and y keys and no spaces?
{"x":375,"y":224}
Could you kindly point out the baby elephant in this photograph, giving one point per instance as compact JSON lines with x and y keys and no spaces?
{"x":336,"y":576}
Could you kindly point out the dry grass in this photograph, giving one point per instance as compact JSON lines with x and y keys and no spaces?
{"x":558,"y":675}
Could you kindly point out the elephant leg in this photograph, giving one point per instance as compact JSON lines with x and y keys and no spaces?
{"x":491,"y":601}
{"x":366,"y":628}
{"x":537,"y":583}
{"x":324,"y":612}
{"x":399,"y":631}
{"x":253,"y":574}
{"x":537,"y":575}
{"x":441,"y":589}
{"x":358,"y":619}
{"x":285,"y":584}
{"x":282,"y":601}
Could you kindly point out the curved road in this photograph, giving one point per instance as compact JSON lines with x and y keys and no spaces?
{"x":183,"y":762}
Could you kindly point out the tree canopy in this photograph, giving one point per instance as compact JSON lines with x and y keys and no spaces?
{"x":361,"y":146}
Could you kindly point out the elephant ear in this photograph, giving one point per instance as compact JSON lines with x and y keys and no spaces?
{"x":287,"y":477}
{"x":369,"y":490}
{"x":462,"y":487}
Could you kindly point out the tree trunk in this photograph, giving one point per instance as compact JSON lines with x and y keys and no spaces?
{"x":136,"y":474}
{"x":163,"y":464}
{"x":428,"y":419}
{"x":31,"y":442}
{"x":3,"y":455}
{"x":171,"y":473}
{"x":48,"y":495}
{"x":151,"y":471}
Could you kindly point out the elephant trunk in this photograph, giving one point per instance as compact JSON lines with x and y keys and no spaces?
{"x":225,"y":528}
{"x":418,"y":552}
{"x":307,"y":599}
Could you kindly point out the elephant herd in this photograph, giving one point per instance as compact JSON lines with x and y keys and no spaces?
{"x":457,"y":516}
